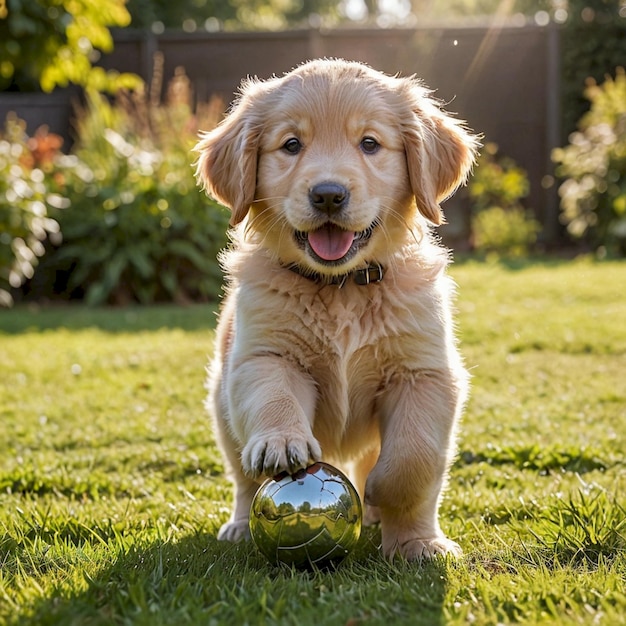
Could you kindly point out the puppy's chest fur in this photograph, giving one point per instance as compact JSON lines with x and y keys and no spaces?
{"x":351,"y":341}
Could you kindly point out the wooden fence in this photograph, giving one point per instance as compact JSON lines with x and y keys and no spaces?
{"x":504,"y":80}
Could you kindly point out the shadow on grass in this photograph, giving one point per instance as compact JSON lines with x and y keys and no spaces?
{"x":24,"y":319}
{"x":199,"y":580}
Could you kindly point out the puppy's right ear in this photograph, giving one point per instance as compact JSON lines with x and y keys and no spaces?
{"x":440,"y":152}
{"x":227,"y":164}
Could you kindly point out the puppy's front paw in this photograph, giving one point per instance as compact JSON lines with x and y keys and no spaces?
{"x":237,"y":530}
{"x":420,"y":549}
{"x":279,"y":453}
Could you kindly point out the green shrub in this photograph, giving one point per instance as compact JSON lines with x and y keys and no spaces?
{"x":506,"y":232}
{"x":29,"y":186}
{"x":593,"y":194}
{"x":139,"y":229}
{"x":500,"y":224}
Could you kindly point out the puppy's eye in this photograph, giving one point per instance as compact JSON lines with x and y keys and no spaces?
{"x":369,"y":145}
{"x":292,"y":146}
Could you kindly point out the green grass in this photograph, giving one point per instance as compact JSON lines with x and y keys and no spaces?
{"x":112,"y":488}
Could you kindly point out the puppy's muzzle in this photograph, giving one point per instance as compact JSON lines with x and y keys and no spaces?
{"x":329,"y":197}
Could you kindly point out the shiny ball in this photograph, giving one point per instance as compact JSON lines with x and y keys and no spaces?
{"x":310,"y":518}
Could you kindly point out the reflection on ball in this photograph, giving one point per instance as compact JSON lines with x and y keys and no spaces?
{"x":312,"y":517}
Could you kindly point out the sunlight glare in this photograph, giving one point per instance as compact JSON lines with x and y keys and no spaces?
{"x":397,"y":9}
{"x":355,"y":10}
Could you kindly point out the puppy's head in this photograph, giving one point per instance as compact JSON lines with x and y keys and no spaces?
{"x":334,"y":163}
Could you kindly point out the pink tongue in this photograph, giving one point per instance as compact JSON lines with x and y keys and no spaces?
{"x":330,"y":242}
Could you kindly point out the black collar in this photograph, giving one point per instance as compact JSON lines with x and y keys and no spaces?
{"x":373,"y":273}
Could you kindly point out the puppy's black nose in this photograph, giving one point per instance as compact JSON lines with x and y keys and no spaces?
{"x":329,"y":197}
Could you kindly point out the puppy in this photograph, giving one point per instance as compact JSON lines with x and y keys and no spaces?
{"x":335,"y":340}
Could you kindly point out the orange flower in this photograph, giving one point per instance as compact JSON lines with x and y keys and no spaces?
{"x":44,"y":146}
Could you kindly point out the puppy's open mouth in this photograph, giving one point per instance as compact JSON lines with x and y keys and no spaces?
{"x":332,"y":245}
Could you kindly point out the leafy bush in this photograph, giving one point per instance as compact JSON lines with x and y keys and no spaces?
{"x":500,"y":224}
{"x":28,"y":193}
{"x":593,"y":195}
{"x":504,"y":232}
{"x":139,"y":229}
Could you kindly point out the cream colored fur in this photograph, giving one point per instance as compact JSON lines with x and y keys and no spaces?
{"x":366,"y":377}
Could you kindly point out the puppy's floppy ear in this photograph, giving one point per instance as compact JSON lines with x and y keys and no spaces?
{"x":440,"y":152}
{"x":227,"y":164}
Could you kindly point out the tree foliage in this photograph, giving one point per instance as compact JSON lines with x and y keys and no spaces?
{"x":277,"y":14}
{"x":230,"y":14}
{"x":50,"y":43}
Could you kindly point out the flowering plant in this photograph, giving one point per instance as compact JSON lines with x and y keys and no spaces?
{"x":31,"y":185}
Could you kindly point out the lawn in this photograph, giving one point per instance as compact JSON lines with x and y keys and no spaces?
{"x":112,"y":489}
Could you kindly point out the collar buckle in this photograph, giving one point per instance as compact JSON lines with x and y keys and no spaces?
{"x":370,"y":274}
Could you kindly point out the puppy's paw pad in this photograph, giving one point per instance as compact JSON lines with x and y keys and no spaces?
{"x":275,"y":454}
{"x":238,"y":530}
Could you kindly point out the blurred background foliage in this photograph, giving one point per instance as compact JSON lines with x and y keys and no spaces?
{"x":120,"y":218}
{"x":29,"y":193}
{"x":501,"y":225}
{"x":593,"y":166}
{"x":50,"y":43}
{"x":139,"y":229}
{"x":280,"y":14}
{"x":117,"y":217}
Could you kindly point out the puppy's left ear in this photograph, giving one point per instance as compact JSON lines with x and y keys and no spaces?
{"x":227,"y":164}
{"x":440,"y":153}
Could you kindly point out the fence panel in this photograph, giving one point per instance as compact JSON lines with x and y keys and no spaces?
{"x":504,"y":80}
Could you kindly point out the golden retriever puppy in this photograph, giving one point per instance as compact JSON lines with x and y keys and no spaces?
{"x":335,"y":340}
